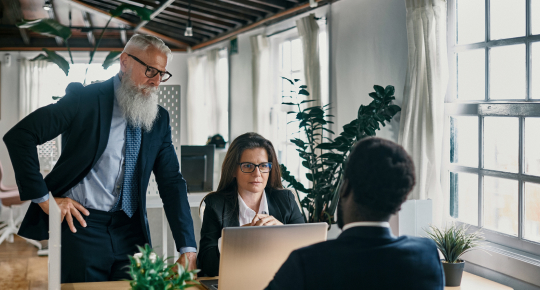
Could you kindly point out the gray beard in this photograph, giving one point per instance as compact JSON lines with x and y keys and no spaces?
{"x":140,"y":109}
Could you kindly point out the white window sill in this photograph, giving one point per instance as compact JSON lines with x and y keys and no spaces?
{"x":515,"y":263}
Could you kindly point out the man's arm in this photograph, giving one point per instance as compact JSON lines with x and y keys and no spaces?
{"x":173,"y":192}
{"x":40,"y":126}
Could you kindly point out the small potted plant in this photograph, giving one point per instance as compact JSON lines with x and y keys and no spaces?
{"x":148,"y":271}
{"x":453,"y":242}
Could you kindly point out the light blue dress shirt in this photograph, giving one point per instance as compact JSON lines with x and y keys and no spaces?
{"x":101,"y":187}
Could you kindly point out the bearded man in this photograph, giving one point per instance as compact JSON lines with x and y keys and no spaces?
{"x":114,"y":135}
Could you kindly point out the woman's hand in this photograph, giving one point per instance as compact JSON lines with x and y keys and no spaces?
{"x":264,"y":220}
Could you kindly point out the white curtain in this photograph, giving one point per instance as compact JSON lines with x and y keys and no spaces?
{"x":261,"y":80}
{"x":32,"y":85}
{"x":308,"y":30}
{"x":207,"y":97}
{"x":422,"y":117}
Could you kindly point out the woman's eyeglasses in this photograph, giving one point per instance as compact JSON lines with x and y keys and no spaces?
{"x":152,"y":71}
{"x":248,"y":167}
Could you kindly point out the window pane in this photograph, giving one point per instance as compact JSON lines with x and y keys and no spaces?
{"x":470,"y":18}
{"x":501,"y":141}
{"x":532,"y":212}
{"x":464,"y":140}
{"x":471,"y":75}
{"x":532,"y":143}
{"x":535,"y":83}
{"x":535,"y":16}
{"x":507,"y":72}
{"x":297,"y":61}
{"x":501,"y":205}
{"x":507,"y":18}
{"x":464,"y":197}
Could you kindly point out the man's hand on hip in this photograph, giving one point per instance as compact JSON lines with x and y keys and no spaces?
{"x":191,"y":257}
{"x":68,"y":209}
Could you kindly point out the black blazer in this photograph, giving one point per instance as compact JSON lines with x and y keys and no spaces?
{"x":221,"y":211}
{"x":363,"y":258}
{"x":83,"y":117}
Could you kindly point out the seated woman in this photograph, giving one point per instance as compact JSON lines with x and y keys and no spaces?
{"x":250,"y":193}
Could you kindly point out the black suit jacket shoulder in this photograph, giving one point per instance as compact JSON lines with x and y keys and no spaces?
{"x":221,"y":211}
{"x":363,"y":258}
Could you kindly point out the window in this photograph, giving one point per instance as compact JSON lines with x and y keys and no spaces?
{"x":492,"y":166}
{"x":290,"y":64}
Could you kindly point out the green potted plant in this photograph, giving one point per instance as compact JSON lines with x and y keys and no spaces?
{"x":148,"y":271}
{"x":453,"y":242}
{"x":325,"y":157}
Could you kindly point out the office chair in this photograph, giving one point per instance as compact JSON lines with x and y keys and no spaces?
{"x":9,"y":195}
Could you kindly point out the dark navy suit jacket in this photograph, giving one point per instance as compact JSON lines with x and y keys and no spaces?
{"x":83,"y":117}
{"x":363,"y":258}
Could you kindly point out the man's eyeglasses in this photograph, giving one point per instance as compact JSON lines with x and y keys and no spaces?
{"x":152,"y":71}
{"x":248,"y":167}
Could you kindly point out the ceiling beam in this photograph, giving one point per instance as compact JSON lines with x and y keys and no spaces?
{"x":279,"y":4}
{"x":88,"y":8}
{"x":88,"y":23}
{"x":16,"y":14}
{"x":26,"y":48}
{"x":251,"y":5}
{"x":123,"y":36}
{"x":205,"y":13}
{"x":53,"y":16}
{"x":156,"y":12}
{"x":197,"y":17}
{"x":233,"y":13}
{"x":254,"y":25}
{"x":222,"y":5}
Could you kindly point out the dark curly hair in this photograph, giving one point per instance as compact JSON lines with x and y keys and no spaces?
{"x":380,"y":174}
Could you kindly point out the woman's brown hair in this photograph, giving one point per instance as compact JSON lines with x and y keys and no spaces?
{"x":227,"y":182}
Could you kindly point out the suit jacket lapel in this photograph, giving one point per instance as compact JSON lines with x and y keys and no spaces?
{"x":230,"y":211}
{"x":272,"y":207}
{"x":106,"y":102}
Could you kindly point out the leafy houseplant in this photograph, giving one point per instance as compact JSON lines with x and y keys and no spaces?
{"x":453,"y":242}
{"x":52,"y":28}
{"x":149,"y":272}
{"x":325,"y":158}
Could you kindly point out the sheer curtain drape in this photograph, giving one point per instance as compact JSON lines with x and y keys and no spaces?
{"x":262,"y":92}
{"x":422,"y":117}
{"x":32,"y":76}
{"x":308,"y":30}
{"x":207,"y":105}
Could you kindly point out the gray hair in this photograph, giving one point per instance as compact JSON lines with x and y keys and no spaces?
{"x":142,"y":41}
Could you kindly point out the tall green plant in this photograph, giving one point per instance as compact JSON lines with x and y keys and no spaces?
{"x":325,"y":157}
{"x":52,"y":28}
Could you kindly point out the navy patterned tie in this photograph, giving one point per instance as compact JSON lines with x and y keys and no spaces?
{"x":130,"y":187}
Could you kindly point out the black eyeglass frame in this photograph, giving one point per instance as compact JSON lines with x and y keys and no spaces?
{"x":150,"y":68}
{"x":256,"y":165}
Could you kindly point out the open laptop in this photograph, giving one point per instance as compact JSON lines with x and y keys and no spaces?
{"x":251,"y":256}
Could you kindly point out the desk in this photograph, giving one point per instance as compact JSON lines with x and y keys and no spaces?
{"x":473,"y":282}
{"x":468,"y":282}
{"x":117,"y":285}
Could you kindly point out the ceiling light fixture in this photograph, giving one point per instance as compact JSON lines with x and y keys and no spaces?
{"x":48,"y":5}
{"x":189,"y":27}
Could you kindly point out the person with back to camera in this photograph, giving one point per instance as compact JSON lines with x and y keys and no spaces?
{"x":378,"y":178}
{"x":250,"y":193}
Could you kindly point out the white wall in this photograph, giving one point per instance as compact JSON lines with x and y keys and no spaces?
{"x":10,"y":92}
{"x":368,"y":46}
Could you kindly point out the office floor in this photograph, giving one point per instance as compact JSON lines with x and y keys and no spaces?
{"x":20,"y":266}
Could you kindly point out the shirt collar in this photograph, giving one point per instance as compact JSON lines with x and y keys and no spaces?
{"x":243,"y":208}
{"x":366,"y":224}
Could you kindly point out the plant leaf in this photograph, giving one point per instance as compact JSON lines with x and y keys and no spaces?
{"x":54,"y":58}
{"x":47,"y":27}
{"x":142,"y":12}
{"x":111,"y":58}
